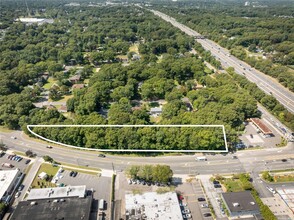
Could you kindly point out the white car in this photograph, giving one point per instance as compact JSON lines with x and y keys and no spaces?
{"x":13,"y":137}
{"x":187,"y":216}
{"x":17,"y":194}
{"x":186,"y":211}
{"x":205,"y":205}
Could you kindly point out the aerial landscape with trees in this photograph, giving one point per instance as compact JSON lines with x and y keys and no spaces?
{"x":113,"y":65}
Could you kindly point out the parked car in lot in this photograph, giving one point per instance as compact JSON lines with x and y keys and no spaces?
{"x":217,"y":186}
{"x":186,"y":211}
{"x":28,"y":161}
{"x":200,"y":199}
{"x":71,"y":173}
{"x":20,"y":188}
{"x":204,"y":205}
{"x":187,"y":216}
{"x":75,"y":174}
{"x":17,"y":194}
{"x":207,"y":214}
{"x":215,"y":182}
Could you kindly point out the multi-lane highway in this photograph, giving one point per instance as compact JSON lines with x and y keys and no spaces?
{"x":264,"y":82}
{"x":249,"y":161}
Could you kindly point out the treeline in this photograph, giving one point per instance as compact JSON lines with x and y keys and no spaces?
{"x":246,"y":30}
{"x":150,"y":173}
{"x":147,"y":138}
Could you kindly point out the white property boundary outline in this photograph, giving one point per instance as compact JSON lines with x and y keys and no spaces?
{"x":126,"y":126}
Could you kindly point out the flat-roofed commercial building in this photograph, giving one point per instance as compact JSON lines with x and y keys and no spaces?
{"x":8,"y":181}
{"x":240,"y":204}
{"x":151,"y":205}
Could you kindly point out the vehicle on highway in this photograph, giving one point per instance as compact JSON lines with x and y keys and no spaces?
{"x":101,"y":155}
{"x":13,"y":137}
{"x":207,"y":214}
{"x":201,"y":158}
{"x":234,"y":157}
{"x":201,"y":199}
{"x":284,"y":160}
{"x":49,"y":147}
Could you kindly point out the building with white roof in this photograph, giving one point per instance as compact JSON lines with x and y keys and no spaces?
{"x":57,"y":192}
{"x":8,"y":181}
{"x":151,"y":205}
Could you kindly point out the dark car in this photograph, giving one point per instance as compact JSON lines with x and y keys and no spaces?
{"x":28,"y":161}
{"x":201,"y":199}
{"x":215,"y":182}
{"x":207,"y":214}
{"x":71,"y":173}
{"x":251,"y":135}
{"x":101,"y":155}
{"x":48,"y":146}
{"x":217,"y":186}
{"x":20,"y":188}
{"x":75,"y":174}
{"x":284,"y":160}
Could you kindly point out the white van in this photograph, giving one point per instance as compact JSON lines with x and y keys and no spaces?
{"x":201,"y":158}
{"x":101,"y":204}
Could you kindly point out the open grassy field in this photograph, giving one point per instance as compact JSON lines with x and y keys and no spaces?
{"x":50,"y":170}
{"x":233,"y":185}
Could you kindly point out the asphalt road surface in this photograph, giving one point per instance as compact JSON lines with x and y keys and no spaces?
{"x":264,"y":82}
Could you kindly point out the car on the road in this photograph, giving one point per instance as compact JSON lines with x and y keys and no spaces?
{"x":13,"y":137}
{"x":207,"y":214}
{"x":234,"y":157}
{"x":187,"y":216}
{"x":17,"y":194}
{"x":49,"y":147}
{"x":28,"y":161}
{"x":251,"y":135}
{"x":101,"y":155}
{"x":204,"y":205}
{"x":271,"y":190}
{"x":284,"y":160}
{"x":201,"y":199}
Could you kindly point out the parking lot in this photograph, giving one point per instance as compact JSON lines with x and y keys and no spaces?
{"x":100,"y":185}
{"x":21,"y":165}
{"x":190,"y":193}
{"x":252,"y":137}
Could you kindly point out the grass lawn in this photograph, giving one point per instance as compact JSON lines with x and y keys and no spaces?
{"x":63,"y":99}
{"x":134,"y":48}
{"x":50,"y":170}
{"x":50,"y":82}
{"x":233,"y":185}
{"x":284,"y":178}
{"x":4,"y":129}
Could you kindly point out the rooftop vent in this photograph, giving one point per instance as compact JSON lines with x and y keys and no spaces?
{"x":236,"y":204}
